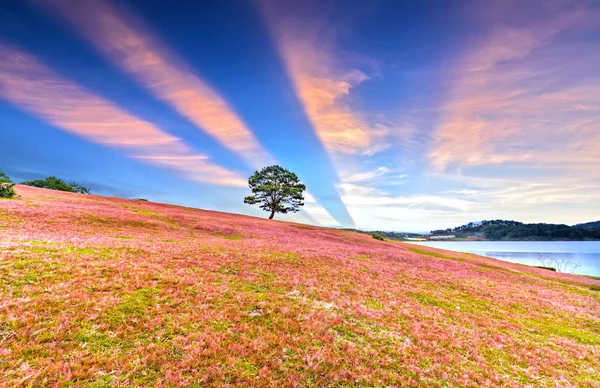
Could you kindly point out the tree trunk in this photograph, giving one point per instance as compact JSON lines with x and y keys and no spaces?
{"x":272,"y":214}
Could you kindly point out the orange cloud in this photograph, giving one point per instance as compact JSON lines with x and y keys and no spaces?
{"x":130,"y":46}
{"x":36,"y":89}
{"x":321,"y":83}
{"x":525,"y":96}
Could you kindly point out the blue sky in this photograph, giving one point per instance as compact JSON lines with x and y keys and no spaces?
{"x":405,"y":116}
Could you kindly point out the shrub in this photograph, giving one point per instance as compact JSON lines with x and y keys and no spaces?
{"x":7,"y":187}
{"x":79,"y":188}
{"x":54,"y":183}
{"x":595,"y":288}
{"x":548,"y":268}
{"x":379,"y":237}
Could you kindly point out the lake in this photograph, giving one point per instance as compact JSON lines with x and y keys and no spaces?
{"x":580,"y":257}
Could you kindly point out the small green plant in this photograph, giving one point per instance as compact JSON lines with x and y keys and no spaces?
{"x":595,"y":288}
{"x":54,"y":183}
{"x":558,"y":265}
{"x":377,"y":236}
{"x":7,"y":187}
{"x":548,"y":268}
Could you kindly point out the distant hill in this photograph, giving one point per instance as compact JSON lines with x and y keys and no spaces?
{"x":514,"y":230}
{"x":589,"y":225}
{"x":389,"y":235}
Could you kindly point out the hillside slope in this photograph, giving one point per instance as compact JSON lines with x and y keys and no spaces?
{"x":101,"y":291}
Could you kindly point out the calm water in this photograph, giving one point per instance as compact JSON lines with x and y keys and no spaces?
{"x":566,"y":253}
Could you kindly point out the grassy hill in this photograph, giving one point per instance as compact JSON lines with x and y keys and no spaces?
{"x":101,"y":291}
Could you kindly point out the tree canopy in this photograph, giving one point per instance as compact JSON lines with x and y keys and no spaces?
{"x":6,"y":186}
{"x":514,"y":230}
{"x":276,"y":189}
{"x":54,"y":183}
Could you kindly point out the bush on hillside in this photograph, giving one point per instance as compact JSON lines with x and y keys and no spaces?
{"x":7,"y":187}
{"x":548,"y":268}
{"x":379,"y":237}
{"x":54,"y":183}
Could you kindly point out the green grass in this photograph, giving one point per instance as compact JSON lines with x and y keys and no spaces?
{"x":429,"y":300}
{"x":374,"y":304}
{"x":143,"y":212}
{"x":134,"y":305}
{"x":433,"y":254}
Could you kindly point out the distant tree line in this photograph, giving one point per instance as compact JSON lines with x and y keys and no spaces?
{"x":396,"y":235}
{"x":589,"y":225}
{"x":387,"y":235}
{"x":514,"y":230}
{"x":52,"y":183}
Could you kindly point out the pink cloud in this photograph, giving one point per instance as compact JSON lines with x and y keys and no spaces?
{"x":129,"y":45}
{"x":525,"y":95}
{"x":321,"y":82}
{"x":36,"y":89}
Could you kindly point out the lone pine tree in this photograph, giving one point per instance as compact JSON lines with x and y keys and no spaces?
{"x":277,"y":190}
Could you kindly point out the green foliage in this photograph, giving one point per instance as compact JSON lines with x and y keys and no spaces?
{"x":400,"y":236}
{"x":54,"y":183}
{"x":514,"y":230}
{"x":7,"y":187}
{"x":589,"y":225}
{"x":377,"y":236}
{"x":276,"y":189}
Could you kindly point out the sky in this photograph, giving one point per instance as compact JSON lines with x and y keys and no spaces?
{"x":397,"y":115}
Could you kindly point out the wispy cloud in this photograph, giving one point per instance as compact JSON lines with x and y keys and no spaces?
{"x":551,"y":196}
{"x":520,"y":132}
{"x":33,"y":87}
{"x":322,"y":82}
{"x":318,"y":212}
{"x":374,"y":209}
{"x":517,"y":99}
{"x":362,"y":196}
{"x":130,"y":45}
{"x":366,"y":176}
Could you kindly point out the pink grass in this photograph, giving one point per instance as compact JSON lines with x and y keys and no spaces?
{"x":113,"y":292}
